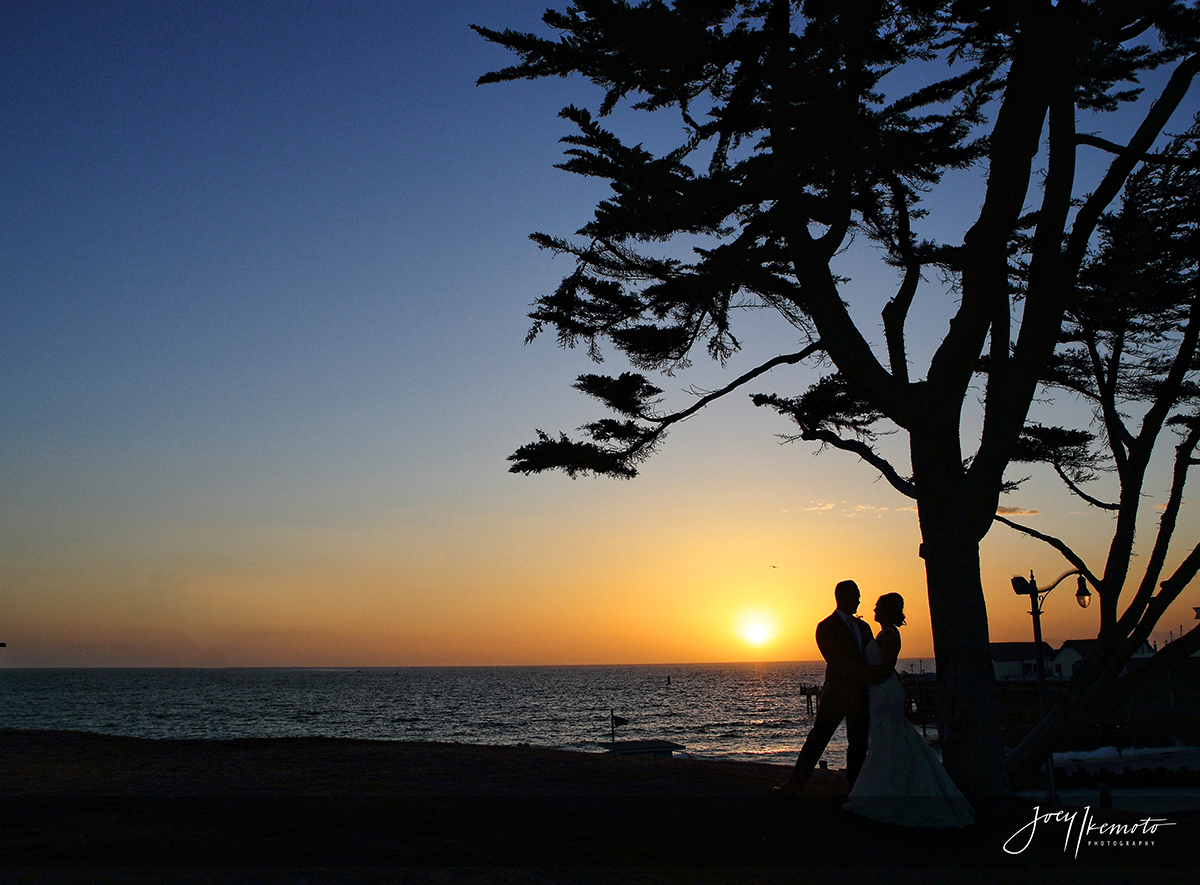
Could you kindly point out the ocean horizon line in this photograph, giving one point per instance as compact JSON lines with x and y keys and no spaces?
{"x":330,"y":667}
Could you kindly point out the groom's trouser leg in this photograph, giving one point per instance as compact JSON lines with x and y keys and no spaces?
{"x":829,"y":716}
{"x":857,"y":729}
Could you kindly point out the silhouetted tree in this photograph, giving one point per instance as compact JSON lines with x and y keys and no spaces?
{"x":1131,"y":348}
{"x":804,"y":125}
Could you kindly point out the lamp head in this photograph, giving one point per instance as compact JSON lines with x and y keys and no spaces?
{"x":1021,"y":586}
{"x":1082,"y":595}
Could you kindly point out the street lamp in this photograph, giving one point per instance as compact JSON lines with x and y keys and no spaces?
{"x":1083,"y":596}
{"x":1037,"y":596}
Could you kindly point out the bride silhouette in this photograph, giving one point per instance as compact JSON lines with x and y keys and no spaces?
{"x":901,"y":781}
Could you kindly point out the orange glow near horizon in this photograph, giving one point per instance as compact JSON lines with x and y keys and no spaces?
{"x":585,"y":586}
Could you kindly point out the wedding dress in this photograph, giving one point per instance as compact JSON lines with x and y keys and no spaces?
{"x":901,"y":781}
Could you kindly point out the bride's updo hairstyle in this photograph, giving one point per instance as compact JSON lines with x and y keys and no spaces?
{"x":892,"y":604}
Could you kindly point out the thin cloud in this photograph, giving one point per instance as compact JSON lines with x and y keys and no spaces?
{"x":1016,"y":511}
{"x":845,"y":508}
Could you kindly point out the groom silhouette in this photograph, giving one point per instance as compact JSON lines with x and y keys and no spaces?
{"x":842,"y":639}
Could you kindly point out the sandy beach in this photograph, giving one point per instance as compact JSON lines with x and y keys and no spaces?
{"x":83,"y":808}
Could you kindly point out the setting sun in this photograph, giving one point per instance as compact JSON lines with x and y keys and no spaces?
{"x":756,"y":628}
{"x":757,"y":633}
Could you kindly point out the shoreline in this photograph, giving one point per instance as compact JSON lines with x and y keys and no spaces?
{"x":75,"y":802}
{"x":44,"y":763}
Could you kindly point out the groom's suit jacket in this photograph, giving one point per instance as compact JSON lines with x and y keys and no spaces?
{"x":838,"y":647}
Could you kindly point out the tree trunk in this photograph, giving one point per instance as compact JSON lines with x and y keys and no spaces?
{"x":967,"y":718}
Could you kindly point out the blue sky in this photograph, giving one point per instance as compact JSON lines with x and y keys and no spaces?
{"x":237,"y":233}
{"x":264,"y":272}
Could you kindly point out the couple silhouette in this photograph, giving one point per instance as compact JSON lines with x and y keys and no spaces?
{"x":894,"y":776}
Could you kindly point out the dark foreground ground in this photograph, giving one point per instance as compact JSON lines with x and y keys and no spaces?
{"x":82,"y":808}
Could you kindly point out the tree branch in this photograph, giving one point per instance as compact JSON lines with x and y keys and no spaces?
{"x":900,"y":483}
{"x":1068,"y":554}
{"x":1168,"y":394}
{"x":895,"y":312}
{"x":845,"y":343}
{"x":1124,"y":150}
{"x":1134,"y":471}
{"x":787,"y":359}
{"x":1166,"y":528}
{"x":1119,"y":437}
{"x":1118,"y":171}
{"x":1075,"y":489}
{"x":1012,"y":381}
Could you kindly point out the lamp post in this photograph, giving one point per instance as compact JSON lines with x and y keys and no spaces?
{"x":1037,"y":596}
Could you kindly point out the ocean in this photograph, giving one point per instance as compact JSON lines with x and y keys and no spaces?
{"x":749,"y":712}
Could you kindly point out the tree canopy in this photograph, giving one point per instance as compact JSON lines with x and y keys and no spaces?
{"x":805,"y":125}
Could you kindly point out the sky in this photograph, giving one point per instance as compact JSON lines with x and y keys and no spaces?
{"x":264,"y":276}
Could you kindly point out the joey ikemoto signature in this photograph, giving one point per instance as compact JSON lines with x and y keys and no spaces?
{"x":1136,"y":833}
